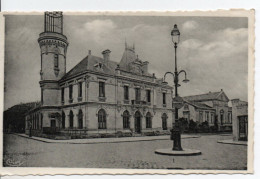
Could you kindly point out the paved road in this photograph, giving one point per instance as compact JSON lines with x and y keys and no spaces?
{"x":19,"y":151}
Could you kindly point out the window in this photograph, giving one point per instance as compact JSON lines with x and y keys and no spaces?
{"x":80,"y":90}
{"x":137,"y":94}
{"x":42,"y":95}
{"x":229,"y":118}
{"x":221,"y":116}
{"x":41,"y":120}
{"x":207,"y":116}
{"x":37,"y":121}
{"x":62,"y":94}
{"x":80,"y":119}
{"x":126,"y":93}
{"x":186,"y":115}
{"x":148,"y":120}
{"x":102,"y":119}
{"x":164,"y":121}
{"x":56,"y":61}
{"x":70,"y":91}
{"x":164,"y":98}
{"x":201,"y":117}
{"x":63,"y":120}
{"x":126,"y":121}
{"x":148,"y":96}
{"x":212,"y":118}
{"x":71,"y":119}
{"x":101,"y":89}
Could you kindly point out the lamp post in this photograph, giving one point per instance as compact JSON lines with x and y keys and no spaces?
{"x":176,"y":132}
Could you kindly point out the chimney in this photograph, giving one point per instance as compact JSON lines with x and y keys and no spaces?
{"x":106,"y":54}
{"x":89,"y":52}
{"x":145,"y":67}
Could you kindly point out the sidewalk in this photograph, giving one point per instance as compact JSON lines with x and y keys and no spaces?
{"x":230,"y":141}
{"x":105,"y":140}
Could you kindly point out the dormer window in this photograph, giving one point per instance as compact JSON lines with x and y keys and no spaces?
{"x":164,"y":99}
{"x":98,"y":65}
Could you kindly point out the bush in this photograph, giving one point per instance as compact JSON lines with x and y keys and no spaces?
{"x":123,"y":134}
{"x":204,"y":126}
{"x":183,"y":124}
{"x":193,"y":126}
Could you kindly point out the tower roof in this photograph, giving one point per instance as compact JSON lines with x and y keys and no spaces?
{"x":128,"y":57}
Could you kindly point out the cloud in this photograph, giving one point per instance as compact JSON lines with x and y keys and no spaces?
{"x":214,"y":57}
{"x":96,"y":30}
{"x":191,"y":44}
{"x":189,"y":25}
{"x":100,"y":26}
{"x":217,"y":61}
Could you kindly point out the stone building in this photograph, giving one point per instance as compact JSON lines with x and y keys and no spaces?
{"x":240,"y":119}
{"x":98,"y":95}
{"x":208,"y":107}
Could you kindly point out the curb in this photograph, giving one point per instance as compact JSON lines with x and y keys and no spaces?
{"x":231,"y":142}
{"x":96,"y":142}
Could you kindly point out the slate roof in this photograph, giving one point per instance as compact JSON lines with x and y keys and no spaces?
{"x":128,"y":57}
{"x":202,"y":105}
{"x":203,"y":97}
{"x":199,"y":105}
{"x":91,"y":63}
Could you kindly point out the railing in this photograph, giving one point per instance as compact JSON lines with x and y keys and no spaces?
{"x":138,"y":102}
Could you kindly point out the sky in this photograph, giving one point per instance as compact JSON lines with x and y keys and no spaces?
{"x":212,"y":50}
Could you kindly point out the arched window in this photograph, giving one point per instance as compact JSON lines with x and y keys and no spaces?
{"x":222,"y":120}
{"x":102,"y":119}
{"x":63,"y":120}
{"x":80,"y":119}
{"x":71,"y":119}
{"x":138,"y":122}
{"x":148,"y":120}
{"x":126,"y":121}
{"x":164,"y":121}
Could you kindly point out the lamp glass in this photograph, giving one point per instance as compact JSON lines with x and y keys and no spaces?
{"x":164,"y":83}
{"x":175,"y":33}
{"x":186,"y":80}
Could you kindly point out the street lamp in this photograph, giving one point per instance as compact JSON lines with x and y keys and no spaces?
{"x":177,"y":104}
{"x":176,"y":132}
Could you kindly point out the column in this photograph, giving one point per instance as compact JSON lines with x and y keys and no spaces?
{"x":67,"y":120}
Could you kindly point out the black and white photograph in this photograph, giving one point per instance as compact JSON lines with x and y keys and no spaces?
{"x":150,"y":91}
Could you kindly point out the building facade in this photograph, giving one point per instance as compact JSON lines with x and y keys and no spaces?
{"x":211,"y":107}
{"x":98,"y":95}
{"x":240,"y":119}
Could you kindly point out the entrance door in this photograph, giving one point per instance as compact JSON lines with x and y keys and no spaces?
{"x":243,"y":127}
{"x":53,"y":123}
{"x":164,"y":121}
{"x":138,"y":122}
